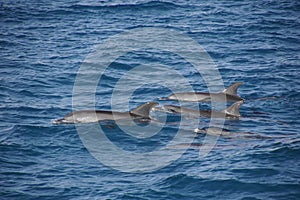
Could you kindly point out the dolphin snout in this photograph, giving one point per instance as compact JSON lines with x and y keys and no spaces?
{"x":57,"y":121}
{"x":201,"y":131}
{"x":158,"y":109}
{"x":163,"y":98}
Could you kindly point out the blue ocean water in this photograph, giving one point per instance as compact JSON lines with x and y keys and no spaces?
{"x":44,"y":43}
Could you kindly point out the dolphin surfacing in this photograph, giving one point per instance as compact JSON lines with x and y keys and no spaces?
{"x":230,"y":94}
{"x":232,"y":112}
{"x":90,"y":116}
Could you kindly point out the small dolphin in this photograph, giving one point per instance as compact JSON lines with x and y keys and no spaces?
{"x":229,"y":93}
{"x":213,"y":131}
{"x":232,"y":112}
{"x":141,"y":113}
{"x":216,"y":131}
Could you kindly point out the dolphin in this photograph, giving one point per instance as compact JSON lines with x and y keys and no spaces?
{"x":232,"y":112}
{"x":213,"y":131}
{"x":216,"y":131}
{"x":230,"y":94}
{"x":141,"y":113}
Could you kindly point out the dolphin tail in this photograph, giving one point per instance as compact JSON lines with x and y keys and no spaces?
{"x":232,"y":90}
{"x":234,"y":109}
{"x":144,"y":110}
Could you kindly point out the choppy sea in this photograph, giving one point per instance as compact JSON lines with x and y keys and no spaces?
{"x":43,"y":46}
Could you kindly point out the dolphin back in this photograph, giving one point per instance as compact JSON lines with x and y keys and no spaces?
{"x":232,"y":90}
{"x":234,"y":109}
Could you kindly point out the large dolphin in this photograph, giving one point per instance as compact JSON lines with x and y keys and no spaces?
{"x":230,"y":94}
{"x":232,"y":112}
{"x":89,"y":116}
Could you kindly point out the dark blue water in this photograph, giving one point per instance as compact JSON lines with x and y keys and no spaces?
{"x":43,"y":44}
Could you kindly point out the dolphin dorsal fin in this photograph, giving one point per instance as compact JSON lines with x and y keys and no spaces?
{"x":232,"y":90}
{"x":234,"y":109}
{"x":144,"y":110}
